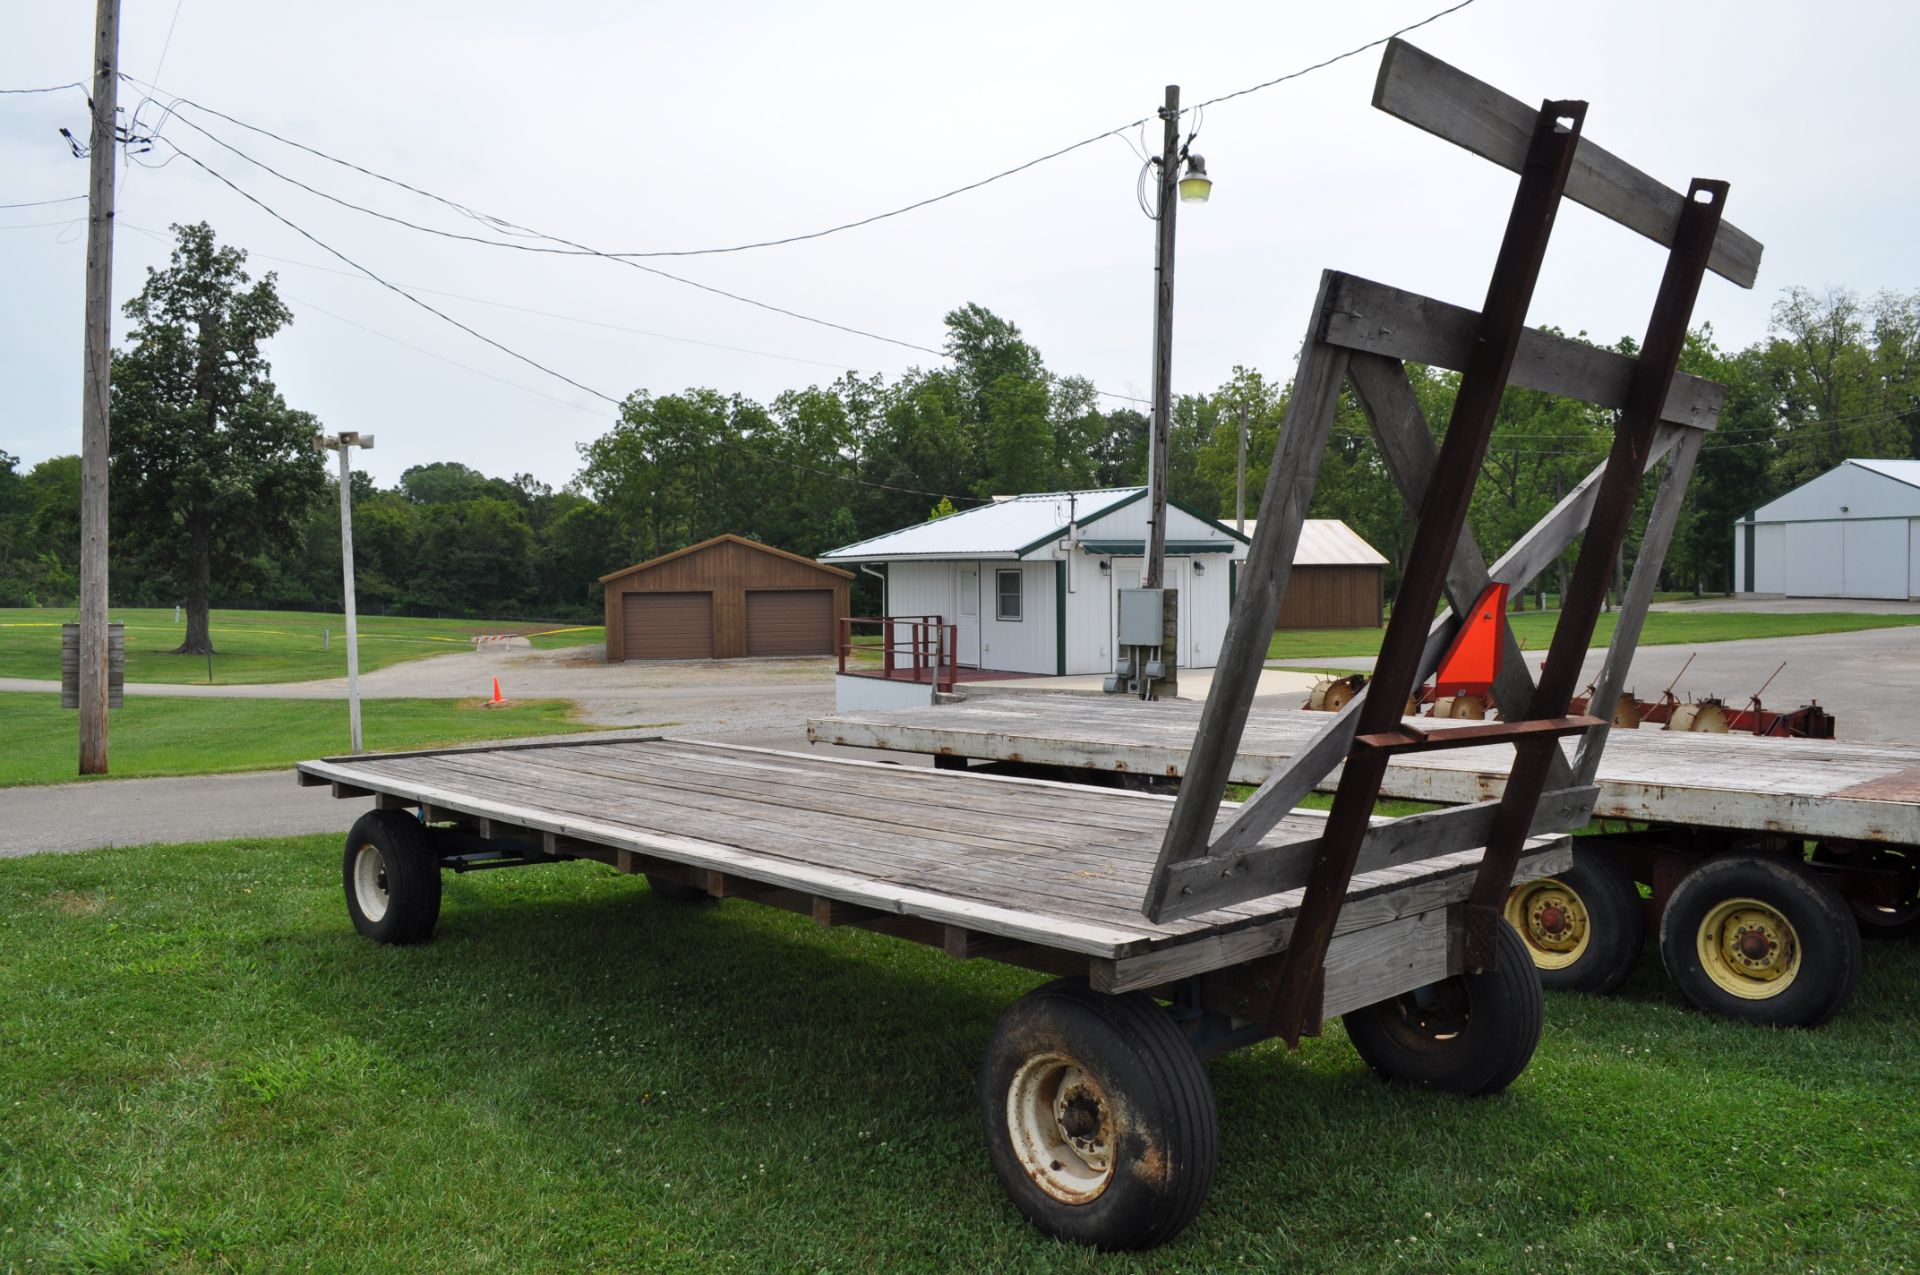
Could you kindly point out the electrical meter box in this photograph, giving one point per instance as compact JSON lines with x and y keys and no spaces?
{"x":1141,"y":622}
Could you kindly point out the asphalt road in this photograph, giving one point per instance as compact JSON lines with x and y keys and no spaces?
{"x":1870,"y":681}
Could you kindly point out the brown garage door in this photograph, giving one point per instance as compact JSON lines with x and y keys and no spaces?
{"x":790,"y":622}
{"x":668,"y":626}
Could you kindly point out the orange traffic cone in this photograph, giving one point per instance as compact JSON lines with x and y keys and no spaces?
{"x":498,"y":700}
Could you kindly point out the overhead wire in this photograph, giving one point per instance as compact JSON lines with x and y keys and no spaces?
{"x":481,"y":336}
{"x":506,"y":225}
{"x":42,"y":203}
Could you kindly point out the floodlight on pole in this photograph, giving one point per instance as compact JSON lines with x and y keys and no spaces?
{"x":1195,"y":186}
{"x":344,"y":442}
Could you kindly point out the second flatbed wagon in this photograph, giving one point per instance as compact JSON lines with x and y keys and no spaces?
{"x":1818,"y":837}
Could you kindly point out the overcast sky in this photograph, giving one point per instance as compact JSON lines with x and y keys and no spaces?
{"x":648,"y":126}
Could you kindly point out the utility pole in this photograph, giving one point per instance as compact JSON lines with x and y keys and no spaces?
{"x":344,"y":442}
{"x":98,"y":360}
{"x":1240,"y":478}
{"x":1162,"y":342}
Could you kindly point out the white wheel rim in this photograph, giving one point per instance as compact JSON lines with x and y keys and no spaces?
{"x":1062,"y":1127}
{"x":370,"y":882}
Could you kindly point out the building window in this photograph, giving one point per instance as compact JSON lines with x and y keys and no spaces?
{"x":1007,"y":585}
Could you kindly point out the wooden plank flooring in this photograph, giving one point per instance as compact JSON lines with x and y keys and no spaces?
{"x":1810,"y":788}
{"x":1062,"y":865}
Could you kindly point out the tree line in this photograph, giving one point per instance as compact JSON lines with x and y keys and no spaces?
{"x":218,"y":498}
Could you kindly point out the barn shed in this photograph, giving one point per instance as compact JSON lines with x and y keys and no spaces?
{"x":1030,"y":582}
{"x":1853,"y":532}
{"x":721,"y":599}
{"x":1338,"y":580}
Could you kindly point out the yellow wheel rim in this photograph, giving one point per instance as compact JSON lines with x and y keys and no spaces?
{"x":1748,"y":949}
{"x":1552,"y":919}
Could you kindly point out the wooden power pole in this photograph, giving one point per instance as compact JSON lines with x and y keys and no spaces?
{"x":102,"y":148}
{"x":1240,"y":478}
{"x":1162,"y":342}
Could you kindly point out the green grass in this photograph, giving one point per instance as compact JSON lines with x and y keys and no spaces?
{"x":203,"y":1068}
{"x":176,"y":735}
{"x":258,"y":646}
{"x":1534,"y":629}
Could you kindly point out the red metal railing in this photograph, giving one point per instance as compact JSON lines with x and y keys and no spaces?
{"x":912,"y":648}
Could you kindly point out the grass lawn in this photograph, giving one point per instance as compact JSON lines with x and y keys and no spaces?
{"x":174,"y":735}
{"x":202,"y":1067}
{"x":257,"y":646}
{"x":1534,"y":629}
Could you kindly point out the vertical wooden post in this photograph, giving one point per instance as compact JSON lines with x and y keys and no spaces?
{"x":98,"y":360}
{"x":1162,"y":342}
{"x":1240,"y":478}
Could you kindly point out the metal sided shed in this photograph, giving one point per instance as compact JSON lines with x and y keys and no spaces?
{"x":1338,"y":579}
{"x":721,"y":599}
{"x":1853,"y":532}
{"x":1030,"y":582}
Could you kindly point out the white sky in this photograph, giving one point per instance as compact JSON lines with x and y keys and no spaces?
{"x":638,"y":126}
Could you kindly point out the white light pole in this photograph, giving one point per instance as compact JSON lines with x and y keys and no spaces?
{"x":344,"y":442}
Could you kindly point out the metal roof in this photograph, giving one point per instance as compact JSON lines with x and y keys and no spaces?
{"x":1904,"y":471}
{"x":1328,"y":542}
{"x":1004,"y":529}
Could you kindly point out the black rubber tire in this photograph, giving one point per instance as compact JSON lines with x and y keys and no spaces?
{"x":1162,"y":1159}
{"x":1823,"y":927}
{"x":1902,"y":921}
{"x":675,"y":891}
{"x":410,"y":871}
{"x":1616,"y":924}
{"x":1472,"y":1034}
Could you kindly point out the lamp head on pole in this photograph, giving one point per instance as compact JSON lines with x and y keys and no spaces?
{"x":1195,"y":185}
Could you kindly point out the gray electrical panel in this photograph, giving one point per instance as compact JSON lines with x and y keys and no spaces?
{"x":1141,"y":622}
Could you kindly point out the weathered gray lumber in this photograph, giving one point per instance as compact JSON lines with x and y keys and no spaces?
{"x":1201,"y":885}
{"x":1170,"y":963}
{"x":1377,"y":964}
{"x":1419,"y":88}
{"x":1562,"y":525}
{"x":1263,"y":580}
{"x":1406,"y":444}
{"x":1374,"y":318}
{"x":1633,"y":607}
{"x":1281,"y":791}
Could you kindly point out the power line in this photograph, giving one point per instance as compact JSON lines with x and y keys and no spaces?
{"x":504,"y":225}
{"x":42,"y":203}
{"x":481,"y":336}
{"x":1338,"y":57}
{"x":51,"y":88}
{"x":345,"y":203}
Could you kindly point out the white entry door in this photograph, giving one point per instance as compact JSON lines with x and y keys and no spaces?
{"x":966,"y":616}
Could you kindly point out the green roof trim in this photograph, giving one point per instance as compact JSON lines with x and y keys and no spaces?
{"x":1136,"y":548}
{"x":1060,"y":617}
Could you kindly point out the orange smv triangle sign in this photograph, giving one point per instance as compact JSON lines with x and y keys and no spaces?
{"x":1473,"y":661}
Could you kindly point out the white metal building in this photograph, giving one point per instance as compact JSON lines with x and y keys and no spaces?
{"x":1030,"y":581}
{"x":1853,"y":532}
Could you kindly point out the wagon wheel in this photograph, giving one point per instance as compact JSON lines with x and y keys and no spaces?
{"x":1897,"y":919}
{"x":1707,"y":716}
{"x":392,"y":877}
{"x":1760,"y":939}
{"x":1099,"y":1117}
{"x":1585,"y":927}
{"x":1470,"y":1034}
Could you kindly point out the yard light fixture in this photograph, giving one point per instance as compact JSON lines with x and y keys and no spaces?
{"x":1195,"y":186}
{"x":344,"y":442}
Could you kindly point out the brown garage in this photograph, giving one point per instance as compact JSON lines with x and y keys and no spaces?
{"x":722,"y":598}
{"x":1337,"y":580}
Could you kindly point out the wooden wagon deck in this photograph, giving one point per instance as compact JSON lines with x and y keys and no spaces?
{"x":1809,"y":788}
{"x":995,"y":865}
